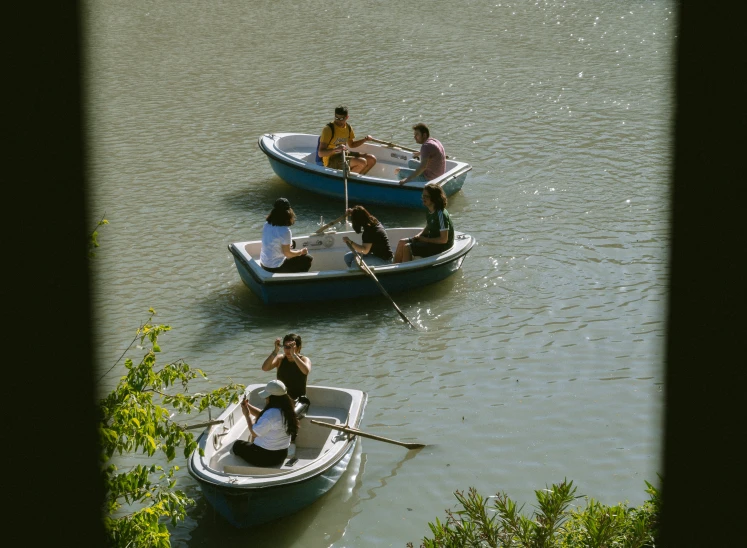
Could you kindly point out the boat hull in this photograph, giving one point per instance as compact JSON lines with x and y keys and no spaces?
{"x":329,"y":285}
{"x":249,"y":508}
{"x":247,"y":495}
{"x":383,"y":188}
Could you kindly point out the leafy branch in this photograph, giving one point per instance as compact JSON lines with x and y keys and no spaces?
{"x":93,"y":239}
{"x":136,"y":417}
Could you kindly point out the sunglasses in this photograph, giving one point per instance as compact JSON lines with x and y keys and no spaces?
{"x":291,"y":345}
{"x":340,"y":118}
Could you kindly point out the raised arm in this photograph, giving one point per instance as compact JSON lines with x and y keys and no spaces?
{"x":273,"y":360}
{"x":250,"y":414}
{"x":302,"y":362}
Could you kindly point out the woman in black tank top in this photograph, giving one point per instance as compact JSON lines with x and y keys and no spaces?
{"x":293,"y":368}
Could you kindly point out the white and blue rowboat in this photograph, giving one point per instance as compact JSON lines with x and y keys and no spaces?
{"x":329,"y":277}
{"x":248,"y":495}
{"x":292,"y":157}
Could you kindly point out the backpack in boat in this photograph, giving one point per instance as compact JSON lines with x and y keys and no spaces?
{"x":318,"y":159}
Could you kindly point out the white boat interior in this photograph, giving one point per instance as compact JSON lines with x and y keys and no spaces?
{"x":328,"y":249}
{"x":316,"y":446}
{"x":388,"y":159}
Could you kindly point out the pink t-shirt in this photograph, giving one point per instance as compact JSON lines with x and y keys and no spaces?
{"x":433,"y":156}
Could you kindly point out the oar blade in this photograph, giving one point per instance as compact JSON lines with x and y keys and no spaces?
{"x":415,"y":445}
{"x":356,"y":432}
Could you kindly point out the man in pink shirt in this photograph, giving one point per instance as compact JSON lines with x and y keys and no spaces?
{"x":432,"y":162}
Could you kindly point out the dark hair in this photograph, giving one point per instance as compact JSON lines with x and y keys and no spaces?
{"x":293,"y":337}
{"x":422,"y":128}
{"x":281,"y":214}
{"x":341,"y":111}
{"x":360,"y":218}
{"x":287,"y":408}
{"x":436,"y":194}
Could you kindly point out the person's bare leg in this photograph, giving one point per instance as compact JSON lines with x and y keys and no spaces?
{"x":370,"y":162}
{"x":400,"y":250}
{"x":357,"y":165}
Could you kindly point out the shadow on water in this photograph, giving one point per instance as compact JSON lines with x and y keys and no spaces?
{"x":236,"y":308}
{"x":383,"y":481}
{"x":321,"y":524}
{"x":257,"y":200}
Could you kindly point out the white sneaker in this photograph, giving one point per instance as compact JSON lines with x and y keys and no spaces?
{"x":292,"y":450}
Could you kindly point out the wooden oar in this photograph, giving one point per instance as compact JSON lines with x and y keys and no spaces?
{"x":328,"y":225}
{"x":364,"y":267}
{"x":201,"y":424}
{"x":395,"y":145}
{"x":355,"y":431}
{"x":345,"y":169}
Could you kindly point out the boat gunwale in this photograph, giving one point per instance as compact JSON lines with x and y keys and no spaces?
{"x":382,"y":272}
{"x":208,"y":475}
{"x":303,"y":165}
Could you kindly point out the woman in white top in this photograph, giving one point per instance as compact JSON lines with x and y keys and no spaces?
{"x":276,"y":254}
{"x":270,"y":429}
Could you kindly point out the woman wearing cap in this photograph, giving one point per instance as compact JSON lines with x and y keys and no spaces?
{"x":270,"y":429}
{"x":276,"y":254}
{"x":375,"y":249}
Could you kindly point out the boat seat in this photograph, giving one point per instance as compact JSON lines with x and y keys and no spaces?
{"x":252,"y":470}
{"x":311,"y":441}
{"x":313,"y":435}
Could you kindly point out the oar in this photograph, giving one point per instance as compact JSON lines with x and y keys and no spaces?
{"x":345,"y":168}
{"x":201,"y":424}
{"x":325,"y":227}
{"x":395,"y":145}
{"x":364,"y":267}
{"x":355,"y":431}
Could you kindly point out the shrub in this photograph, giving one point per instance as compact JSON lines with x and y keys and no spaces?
{"x":551,"y":525}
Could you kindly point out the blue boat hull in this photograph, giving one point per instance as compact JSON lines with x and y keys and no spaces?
{"x":288,"y":155}
{"x":358,"y":191}
{"x":244,"y":508}
{"x":343,"y":287}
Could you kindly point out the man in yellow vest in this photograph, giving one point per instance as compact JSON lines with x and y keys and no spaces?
{"x":338,"y":136}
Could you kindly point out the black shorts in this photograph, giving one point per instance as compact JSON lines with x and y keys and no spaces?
{"x":256,"y":455}
{"x":423,"y":249}
{"x":300,"y":263}
{"x":335,"y":161}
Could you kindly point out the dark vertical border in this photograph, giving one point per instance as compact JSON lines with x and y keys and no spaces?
{"x":52,"y":488}
{"x":704,"y":456}
{"x":51,"y":482}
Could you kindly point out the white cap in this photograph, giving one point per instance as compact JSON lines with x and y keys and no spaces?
{"x":273,"y":388}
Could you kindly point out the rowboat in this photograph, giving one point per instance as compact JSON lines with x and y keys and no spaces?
{"x":248,"y":495}
{"x":329,"y":277}
{"x":292,"y":156}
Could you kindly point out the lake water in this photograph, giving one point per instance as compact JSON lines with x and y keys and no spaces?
{"x":542,"y":359}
